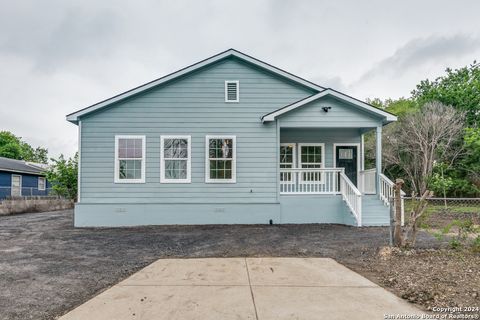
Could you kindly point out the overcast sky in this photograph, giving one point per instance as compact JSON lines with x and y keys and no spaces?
{"x":60,"y":56}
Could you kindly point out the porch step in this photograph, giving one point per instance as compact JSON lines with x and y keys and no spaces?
{"x":374,"y":211}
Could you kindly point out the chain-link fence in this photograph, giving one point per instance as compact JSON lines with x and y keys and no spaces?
{"x":24,"y":192}
{"x":451,"y":205}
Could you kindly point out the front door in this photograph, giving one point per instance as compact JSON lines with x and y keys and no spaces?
{"x":16,"y":185}
{"x":346,"y":157}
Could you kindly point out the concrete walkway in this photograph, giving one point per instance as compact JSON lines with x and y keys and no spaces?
{"x":243,"y":288}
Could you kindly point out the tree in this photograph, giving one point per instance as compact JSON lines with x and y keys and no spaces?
{"x":10,"y":146}
{"x":398,"y":107}
{"x":13,"y":147}
{"x":471,"y":163}
{"x":421,"y":139}
{"x":63,"y":175}
{"x":459,"y":88}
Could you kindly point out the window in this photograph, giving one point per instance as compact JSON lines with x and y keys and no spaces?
{"x":175,"y":159}
{"x":311,"y":157}
{"x":232,"y":91}
{"x":41,"y":183}
{"x":345,"y":154}
{"x":287,"y":155}
{"x":129,"y":159}
{"x":221,"y":159}
{"x":287,"y":161}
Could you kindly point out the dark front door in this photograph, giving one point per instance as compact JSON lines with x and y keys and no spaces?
{"x":346,"y":157}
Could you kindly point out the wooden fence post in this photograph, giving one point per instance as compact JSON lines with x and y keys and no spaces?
{"x":398,"y":212}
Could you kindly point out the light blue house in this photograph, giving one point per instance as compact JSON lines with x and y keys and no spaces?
{"x":230,"y":139}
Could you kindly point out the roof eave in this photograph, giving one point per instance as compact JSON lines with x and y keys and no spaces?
{"x":38,"y":173}
{"x":74,"y":117}
{"x":387,"y":117}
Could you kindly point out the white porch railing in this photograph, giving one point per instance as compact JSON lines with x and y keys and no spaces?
{"x":367,"y":181}
{"x":352,"y":197}
{"x":309,"y":181}
{"x":387,"y":192}
{"x":386,"y":189}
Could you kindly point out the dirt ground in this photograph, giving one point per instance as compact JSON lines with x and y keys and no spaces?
{"x":47,"y":267}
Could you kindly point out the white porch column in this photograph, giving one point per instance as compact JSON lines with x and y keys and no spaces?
{"x":362,"y":152}
{"x":378,"y":157}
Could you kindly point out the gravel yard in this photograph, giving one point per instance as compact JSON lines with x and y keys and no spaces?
{"x":47,"y":267}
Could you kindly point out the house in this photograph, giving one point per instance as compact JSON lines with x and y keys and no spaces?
{"x":21,"y":178}
{"x":230,"y":139}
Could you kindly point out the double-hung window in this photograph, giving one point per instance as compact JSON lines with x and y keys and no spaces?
{"x":129,"y":159}
{"x":220,"y":162}
{"x":175,"y":159}
{"x":41,"y":184}
{"x":311,"y":156}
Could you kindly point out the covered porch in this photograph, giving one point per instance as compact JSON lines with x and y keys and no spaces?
{"x":321,"y":162}
{"x":325,"y":162}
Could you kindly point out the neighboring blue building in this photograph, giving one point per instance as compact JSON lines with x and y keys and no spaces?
{"x":230,"y":139}
{"x":21,"y":178}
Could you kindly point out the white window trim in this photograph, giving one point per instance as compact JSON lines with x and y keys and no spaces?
{"x":162,"y":159}
{"x":44,"y":183}
{"x":294,"y":153}
{"x":234,"y":160}
{"x":11,"y":184}
{"x":322,"y":164}
{"x":117,"y":167}
{"x":300,"y":145}
{"x":226,"y":90}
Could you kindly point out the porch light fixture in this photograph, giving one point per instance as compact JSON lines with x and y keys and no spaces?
{"x":326,"y":108}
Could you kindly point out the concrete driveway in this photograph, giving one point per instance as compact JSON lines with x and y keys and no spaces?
{"x":244,"y":288}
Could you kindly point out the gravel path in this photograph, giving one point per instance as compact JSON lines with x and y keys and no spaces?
{"x":47,"y":267}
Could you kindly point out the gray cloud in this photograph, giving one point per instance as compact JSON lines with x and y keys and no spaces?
{"x":421,"y":51}
{"x":58,"y":56}
{"x":74,"y":35}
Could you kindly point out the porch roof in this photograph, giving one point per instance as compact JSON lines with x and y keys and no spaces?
{"x":387,"y":117}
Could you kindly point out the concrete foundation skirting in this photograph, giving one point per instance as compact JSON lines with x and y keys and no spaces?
{"x":39,"y":204}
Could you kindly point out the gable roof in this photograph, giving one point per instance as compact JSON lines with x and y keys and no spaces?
{"x":21,"y":166}
{"x":74,"y":117}
{"x":388,"y":117}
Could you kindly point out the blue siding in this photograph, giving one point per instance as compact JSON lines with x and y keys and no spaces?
{"x":194,"y":105}
{"x":341,"y":115}
{"x":5,"y":183}
{"x":29,"y":184}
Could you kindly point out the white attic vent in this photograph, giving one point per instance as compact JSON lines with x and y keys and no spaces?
{"x":232,"y":91}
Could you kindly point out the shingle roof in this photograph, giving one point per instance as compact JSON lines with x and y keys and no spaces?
{"x":22,"y":166}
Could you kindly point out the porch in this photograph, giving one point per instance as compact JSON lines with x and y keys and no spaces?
{"x":322,"y":168}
